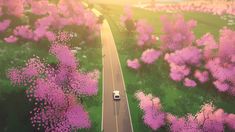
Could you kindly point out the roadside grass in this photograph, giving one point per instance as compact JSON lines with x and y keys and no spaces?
{"x":93,"y":60}
{"x":175,"y":98}
{"x":14,"y":111}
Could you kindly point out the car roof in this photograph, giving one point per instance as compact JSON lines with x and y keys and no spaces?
{"x":115,"y":91}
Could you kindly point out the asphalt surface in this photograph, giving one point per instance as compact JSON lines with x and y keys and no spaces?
{"x":115,"y":114}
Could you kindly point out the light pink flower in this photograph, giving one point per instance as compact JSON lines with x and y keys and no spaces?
{"x":134,"y":64}
{"x":11,"y":39}
{"x":189,"y":83}
{"x":149,"y":56}
{"x":178,"y":33}
{"x":151,"y":106}
{"x":144,"y":32}
{"x":4,"y":25}
{"x":201,"y":76}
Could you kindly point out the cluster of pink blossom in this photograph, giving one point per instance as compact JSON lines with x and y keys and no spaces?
{"x":4,"y":25}
{"x":66,"y":12}
{"x":183,"y":124}
{"x":150,"y":56}
{"x":181,"y":63}
{"x":145,"y":38}
{"x":12,"y":7}
{"x":222,"y":66}
{"x":153,"y":115}
{"x":127,"y":16}
{"x":189,"y":82}
{"x":177,"y":33}
{"x":223,"y":74}
{"x":186,"y":56}
{"x":127,"y":19}
{"x":64,"y":37}
{"x":64,"y":55}
{"x":144,"y":33}
{"x":211,"y":119}
{"x":50,"y":18}
{"x":11,"y":39}
{"x":54,"y":90}
{"x":208,"y":119}
{"x":201,"y":76}
{"x":218,"y":7}
{"x":208,"y":43}
{"x":143,"y":29}
{"x":24,"y":32}
{"x":133,"y":64}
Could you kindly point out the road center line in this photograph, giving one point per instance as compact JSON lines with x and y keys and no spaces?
{"x":115,"y":107}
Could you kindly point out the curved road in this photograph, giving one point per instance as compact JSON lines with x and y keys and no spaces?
{"x":115,"y":114}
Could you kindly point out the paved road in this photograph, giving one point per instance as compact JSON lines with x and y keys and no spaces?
{"x":116,"y":115}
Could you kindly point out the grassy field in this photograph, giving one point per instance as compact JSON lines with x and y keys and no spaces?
{"x":15,"y":107}
{"x":175,"y":98}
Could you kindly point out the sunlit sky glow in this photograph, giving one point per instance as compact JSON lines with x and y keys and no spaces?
{"x":124,"y":2}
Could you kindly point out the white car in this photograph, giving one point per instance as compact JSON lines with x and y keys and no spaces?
{"x":116,"y":95}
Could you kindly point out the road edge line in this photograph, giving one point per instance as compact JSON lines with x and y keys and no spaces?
{"x":122,"y":81}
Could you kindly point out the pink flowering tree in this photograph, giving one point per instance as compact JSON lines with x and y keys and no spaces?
{"x":181,"y":64}
{"x":43,"y":19}
{"x":183,"y":57}
{"x":230,"y":121}
{"x":145,"y":35}
{"x":151,"y":106}
{"x":150,"y":56}
{"x":12,"y":7}
{"x":208,"y":44}
{"x":11,"y":39}
{"x":183,"y":124}
{"x":133,"y":64}
{"x":211,"y":119}
{"x":4,"y":25}
{"x":145,"y":39}
{"x":127,"y":19}
{"x":202,"y":76}
{"x":222,"y":65}
{"x":11,"y":11}
{"x":189,"y":82}
{"x":208,"y":119}
{"x":54,"y":91}
{"x":177,"y":33}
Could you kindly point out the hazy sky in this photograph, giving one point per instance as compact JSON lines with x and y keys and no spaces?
{"x":127,"y":1}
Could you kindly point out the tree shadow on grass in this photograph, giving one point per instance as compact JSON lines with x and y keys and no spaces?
{"x":14,"y":112}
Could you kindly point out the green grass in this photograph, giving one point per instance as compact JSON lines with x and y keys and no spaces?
{"x":93,"y":105}
{"x":14,"y":111}
{"x":14,"y":105}
{"x":175,"y":98}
